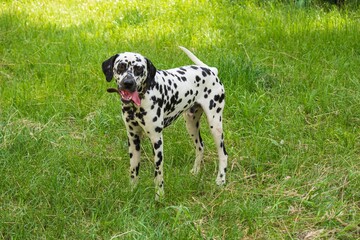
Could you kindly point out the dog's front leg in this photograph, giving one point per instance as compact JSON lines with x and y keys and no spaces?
{"x":134,"y":152}
{"x":157,"y":143}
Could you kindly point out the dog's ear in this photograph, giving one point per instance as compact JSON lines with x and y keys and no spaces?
{"x":107,"y":67}
{"x":151,"y":69}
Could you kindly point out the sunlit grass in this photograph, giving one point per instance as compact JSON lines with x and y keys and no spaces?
{"x":291,"y":121}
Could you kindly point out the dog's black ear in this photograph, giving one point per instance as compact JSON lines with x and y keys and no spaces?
{"x":151,"y":71}
{"x":107,"y":67}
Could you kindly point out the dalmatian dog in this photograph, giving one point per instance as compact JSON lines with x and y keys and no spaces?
{"x":152,"y":99}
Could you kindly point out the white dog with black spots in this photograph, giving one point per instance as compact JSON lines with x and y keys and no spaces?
{"x":152,"y":99}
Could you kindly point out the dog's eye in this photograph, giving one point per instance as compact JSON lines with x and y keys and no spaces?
{"x":121,"y":68}
{"x":138,"y":70}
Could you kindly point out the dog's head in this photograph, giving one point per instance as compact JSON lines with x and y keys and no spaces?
{"x":133,"y":74}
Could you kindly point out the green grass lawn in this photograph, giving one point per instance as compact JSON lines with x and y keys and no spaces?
{"x":292,"y":122}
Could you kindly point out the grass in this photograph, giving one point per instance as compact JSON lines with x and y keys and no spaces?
{"x":291,"y":121}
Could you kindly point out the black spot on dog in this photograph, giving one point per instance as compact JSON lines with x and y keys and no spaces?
{"x":225,"y":153}
{"x":194,"y":67}
{"x":137,"y":169}
{"x":134,"y":123}
{"x":140,"y":114}
{"x":136,"y":141}
{"x":159,"y":155}
{"x":157,"y":144}
{"x":211,"y":104}
{"x":206,"y":70}
{"x":221,"y":98}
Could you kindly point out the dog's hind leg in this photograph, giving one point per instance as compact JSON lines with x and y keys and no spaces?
{"x":192,"y":119}
{"x":214,"y":117}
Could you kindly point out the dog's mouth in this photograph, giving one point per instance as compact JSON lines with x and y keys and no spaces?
{"x":127,"y":96}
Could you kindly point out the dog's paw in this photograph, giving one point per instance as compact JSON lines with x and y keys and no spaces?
{"x":134,"y":182}
{"x":159,"y":195}
{"x":195,"y":170}
{"x":220,"y":180}
{"x":197,"y":165}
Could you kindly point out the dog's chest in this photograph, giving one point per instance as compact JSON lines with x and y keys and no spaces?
{"x":134,"y":116}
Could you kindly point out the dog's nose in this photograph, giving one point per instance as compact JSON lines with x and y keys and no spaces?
{"x":129,"y":84}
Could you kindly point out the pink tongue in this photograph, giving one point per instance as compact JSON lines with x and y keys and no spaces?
{"x":135,"y":97}
{"x":126,"y":95}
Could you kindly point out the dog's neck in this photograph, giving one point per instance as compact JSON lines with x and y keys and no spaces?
{"x":149,"y":83}
{"x":143,"y":91}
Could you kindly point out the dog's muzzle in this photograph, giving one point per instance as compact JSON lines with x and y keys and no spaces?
{"x":128,"y":84}
{"x":127,"y":91}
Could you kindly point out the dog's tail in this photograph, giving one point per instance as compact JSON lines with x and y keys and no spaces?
{"x":196,"y":60}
